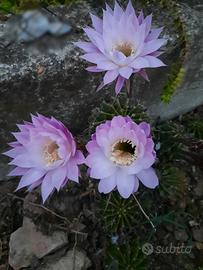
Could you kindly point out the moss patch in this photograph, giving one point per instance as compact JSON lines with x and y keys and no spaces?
{"x":15,"y":6}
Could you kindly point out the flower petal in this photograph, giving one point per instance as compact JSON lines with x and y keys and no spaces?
{"x":106,"y":65}
{"x":106,"y":185}
{"x":20,"y":137}
{"x":148,"y":178}
{"x":35,"y":185}
{"x":15,"y":152}
{"x":140,"y":62}
{"x":118,"y":11}
{"x":58,"y":176}
{"x":125,"y":184}
{"x":73,"y":171}
{"x":131,"y":12}
{"x":146,"y":128}
{"x":93,"y":69}
{"x":141,"y":17}
{"x":86,"y":46}
{"x":109,"y":9}
{"x":110,"y":76}
{"x":144,"y":162}
{"x":97,"y":23}
{"x":143,"y":73}
{"x":154,"y":62}
{"x":92,"y":146}
{"x":18,"y":171}
{"x":101,"y":167}
{"x":126,"y":72}
{"x":152,"y":46}
{"x":119,"y":84}
{"x":94,"y":57}
{"x":100,"y":86}
{"x":154,"y":34}
{"x":22,"y":161}
{"x":47,"y":187}
{"x":148,"y":21}
{"x":79,"y":157}
{"x":30,"y":177}
{"x":136,"y":185}
{"x":95,"y":37}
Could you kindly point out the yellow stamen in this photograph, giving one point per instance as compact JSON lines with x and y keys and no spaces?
{"x":51,"y":153}
{"x":126,"y":48}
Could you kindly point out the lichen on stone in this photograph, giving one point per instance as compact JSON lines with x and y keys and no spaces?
{"x":175,"y":79}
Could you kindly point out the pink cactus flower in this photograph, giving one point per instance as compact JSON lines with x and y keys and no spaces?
{"x":44,"y":154}
{"x":121,"y":44}
{"x":121,"y":154}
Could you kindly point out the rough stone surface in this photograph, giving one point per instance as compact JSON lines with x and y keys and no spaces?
{"x":73,"y":260}
{"x":58,"y":85}
{"x":27,"y":243}
{"x":198,"y":234}
{"x":190,"y":93}
{"x":199,"y":188}
{"x":181,"y":235}
{"x":64,"y":89}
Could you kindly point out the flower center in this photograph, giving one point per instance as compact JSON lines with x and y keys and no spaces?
{"x":50,"y":153}
{"x":126,"y":48}
{"x":123,"y":152}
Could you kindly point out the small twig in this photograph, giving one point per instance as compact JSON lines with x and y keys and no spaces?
{"x":87,"y":193}
{"x":80,"y":233}
{"x":50,"y":211}
{"x":50,"y":11}
{"x":147,"y":217}
{"x":62,"y":228}
{"x":41,"y":206}
{"x":15,"y":197}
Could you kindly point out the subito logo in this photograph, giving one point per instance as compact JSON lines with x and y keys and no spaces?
{"x":147,"y":249}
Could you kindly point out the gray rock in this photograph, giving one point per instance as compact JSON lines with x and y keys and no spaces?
{"x":181,"y":235}
{"x":27,"y":243}
{"x":4,"y":170}
{"x":74,"y":260}
{"x":57,"y":84}
{"x":193,"y":223}
{"x":199,"y":246}
{"x":198,"y":234}
{"x":190,"y":94}
{"x":199,"y":188}
{"x":34,"y":25}
{"x":64,"y":89}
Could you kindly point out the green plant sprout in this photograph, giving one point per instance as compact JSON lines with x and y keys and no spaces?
{"x":118,"y":213}
{"x":15,"y":6}
{"x":126,"y":257}
{"x":173,"y":182}
{"x":117,"y":106}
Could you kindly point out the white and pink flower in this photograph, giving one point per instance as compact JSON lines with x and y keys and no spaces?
{"x":45,"y":154}
{"x":122,"y":44}
{"x":121,"y":153}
